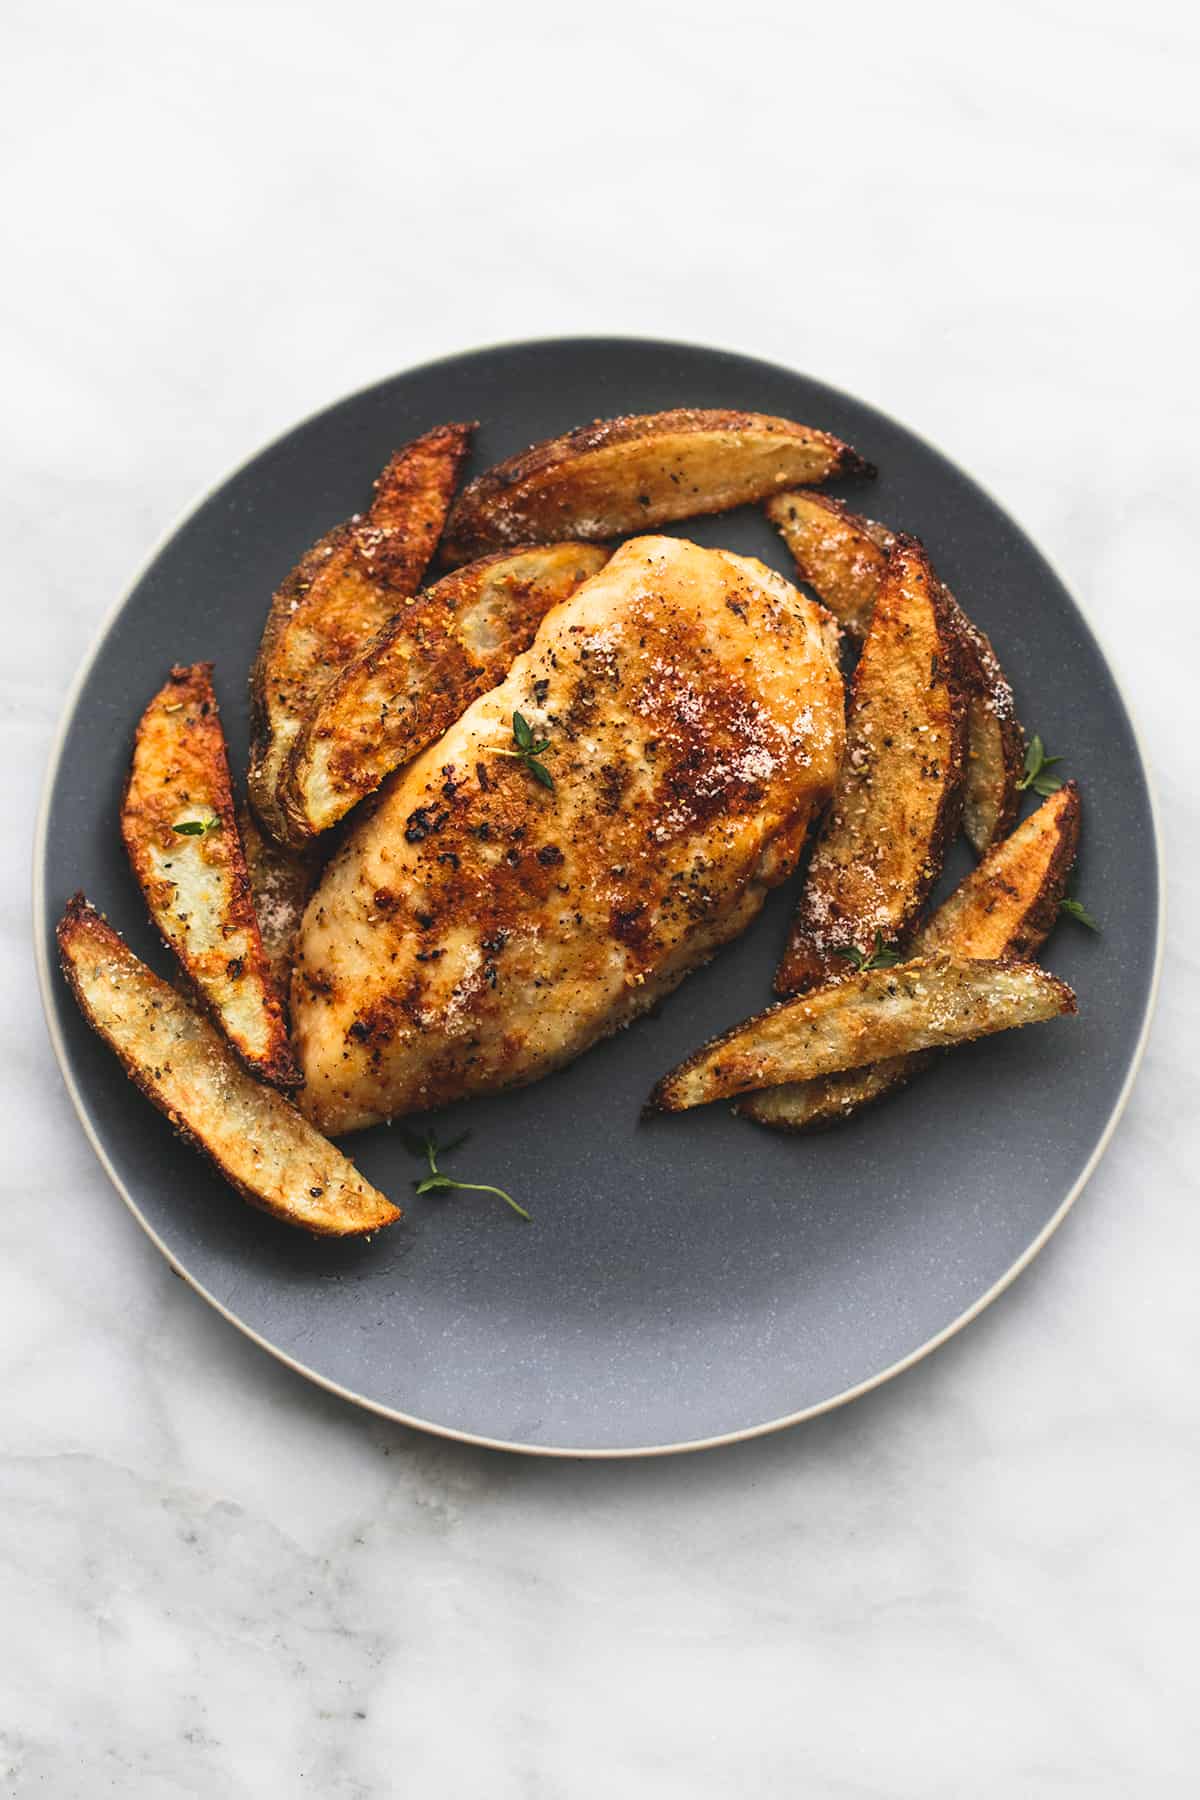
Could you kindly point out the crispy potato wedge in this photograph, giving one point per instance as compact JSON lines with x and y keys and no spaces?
{"x":995,"y":740}
{"x":928,"y":1003}
{"x":339,"y":595}
{"x":897,"y":801}
{"x":440,"y":652}
{"x":1006,"y":907}
{"x":838,"y":553}
{"x":830,"y":1099}
{"x":257,"y":1139}
{"x":181,"y":836}
{"x":281,"y":880}
{"x":1009,"y":904}
{"x":633,"y":473}
{"x":842,"y":557}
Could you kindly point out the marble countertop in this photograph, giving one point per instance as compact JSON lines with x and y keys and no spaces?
{"x":217,"y":1580}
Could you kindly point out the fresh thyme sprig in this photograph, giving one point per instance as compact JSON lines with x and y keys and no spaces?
{"x":1075,"y":909}
{"x":197,"y":827}
{"x":1036,"y":765}
{"x":883,"y":956}
{"x":528,"y":750}
{"x":437,"y":1183}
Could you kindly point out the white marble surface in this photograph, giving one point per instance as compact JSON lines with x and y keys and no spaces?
{"x":215,"y":1580}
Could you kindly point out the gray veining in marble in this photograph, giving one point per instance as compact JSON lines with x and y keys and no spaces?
{"x":215,"y":1580}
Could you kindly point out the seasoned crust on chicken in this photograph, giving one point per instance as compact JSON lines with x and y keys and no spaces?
{"x":477,"y":931}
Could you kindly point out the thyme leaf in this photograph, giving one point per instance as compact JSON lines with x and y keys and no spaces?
{"x":438,"y":1183}
{"x":883,"y":956}
{"x":1035,"y":775}
{"x":529,"y":750}
{"x":1075,"y":909}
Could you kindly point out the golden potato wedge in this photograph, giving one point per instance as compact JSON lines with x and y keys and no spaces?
{"x":181,"y":837}
{"x":995,"y":740}
{"x":441,"y":651}
{"x":1005,"y":908}
{"x":842,"y":557}
{"x":924,"y":1004}
{"x":256,"y":1138}
{"x":897,"y":801}
{"x":831,"y":1099}
{"x":339,"y":595}
{"x":1009,"y":903}
{"x":838,"y":553}
{"x":281,"y":880}
{"x":633,"y":473}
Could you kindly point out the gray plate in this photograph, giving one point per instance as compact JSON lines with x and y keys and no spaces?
{"x":687,"y":1280}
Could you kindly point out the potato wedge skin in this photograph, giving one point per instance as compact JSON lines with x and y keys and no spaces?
{"x":842,"y":556}
{"x":924,"y":1004}
{"x":196,"y":886}
{"x":899,"y":792}
{"x":1005,"y":908}
{"x":281,"y":880}
{"x":1009,"y":903}
{"x":839,"y":554}
{"x":441,"y":651}
{"x":831,"y":1099}
{"x":995,"y":740}
{"x":181,"y":1065}
{"x":339,"y":595}
{"x":633,"y":473}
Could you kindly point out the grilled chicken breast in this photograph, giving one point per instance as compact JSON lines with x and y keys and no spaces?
{"x":477,"y":930}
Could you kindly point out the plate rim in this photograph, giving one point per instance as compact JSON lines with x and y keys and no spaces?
{"x":46,"y":971}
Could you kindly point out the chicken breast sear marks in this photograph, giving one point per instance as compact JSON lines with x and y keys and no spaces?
{"x":476,"y":931}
